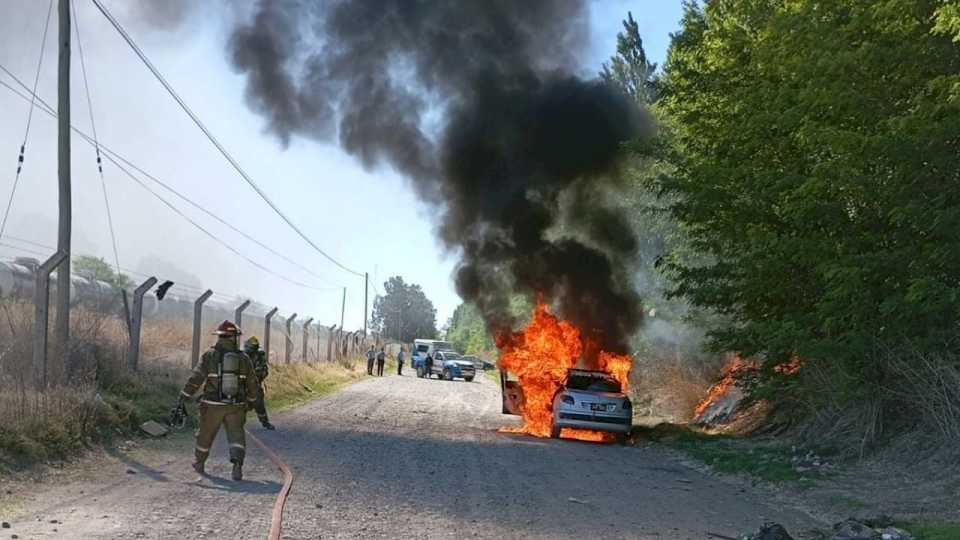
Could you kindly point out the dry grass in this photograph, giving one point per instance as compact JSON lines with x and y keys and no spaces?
{"x":93,"y":397}
{"x":671,"y":388}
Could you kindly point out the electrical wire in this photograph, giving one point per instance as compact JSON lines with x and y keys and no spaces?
{"x":167,"y":187}
{"x":26,"y":134}
{"x":96,"y":144}
{"x":49,"y":110}
{"x":196,"y":120}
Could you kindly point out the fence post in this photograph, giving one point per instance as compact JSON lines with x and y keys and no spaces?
{"x":41,"y":303}
{"x":288,"y":342}
{"x":330,"y":341}
{"x":197,"y":320}
{"x":136,"y":317}
{"x":238,"y":313}
{"x":266,"y":332}
{"x":306,"y":335}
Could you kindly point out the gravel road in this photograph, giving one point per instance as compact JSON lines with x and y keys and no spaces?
{"x":401,"y":457}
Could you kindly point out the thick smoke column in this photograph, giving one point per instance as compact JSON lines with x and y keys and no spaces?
{"x":476,"y":103}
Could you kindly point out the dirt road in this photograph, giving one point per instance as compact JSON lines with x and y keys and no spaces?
{"x":400,"y":457}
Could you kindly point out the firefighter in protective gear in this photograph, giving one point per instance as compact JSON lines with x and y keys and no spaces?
{"x":229,"y":388}
{"x":252,"y":349}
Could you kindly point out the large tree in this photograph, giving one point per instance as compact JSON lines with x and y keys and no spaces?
{"x":629,"y":69}
{"x":403,"y":312}
{"x":816,"y":148}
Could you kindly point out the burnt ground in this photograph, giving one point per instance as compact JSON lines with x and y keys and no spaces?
{"x":400,"y":457}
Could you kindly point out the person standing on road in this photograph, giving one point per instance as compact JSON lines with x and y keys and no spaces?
{"x":370,"y":357}
{"x":400,"y":361}
{"x":381,"y":360}
{"x":229,"y":385}
{"x":428,"y":365}
{"x":251,"y":347}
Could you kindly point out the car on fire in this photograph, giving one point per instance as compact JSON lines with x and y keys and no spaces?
{"x":592,"y":400}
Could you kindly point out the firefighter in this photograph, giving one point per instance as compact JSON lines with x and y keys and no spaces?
{"x":251,"y":347}
{"x":428,"y":364}
{"x":400,"y":361}
{"x":229,"y":385}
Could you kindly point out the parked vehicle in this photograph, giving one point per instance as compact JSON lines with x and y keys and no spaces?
{"x":592,"y":400}
{"x":478,"y":363}
{"x":447,"y":362}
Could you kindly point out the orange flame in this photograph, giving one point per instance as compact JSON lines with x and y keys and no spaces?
{"x":728,"y":378}
{"x":540,"y":356}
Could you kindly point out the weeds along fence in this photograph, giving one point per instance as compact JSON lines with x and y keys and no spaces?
{"x":73,"y":382}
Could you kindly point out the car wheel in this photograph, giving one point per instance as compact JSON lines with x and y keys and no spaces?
{"x":468,"y":379}
{"x":623,"y":439}
{"x":447,"y":375}
{"x":554,"y":431}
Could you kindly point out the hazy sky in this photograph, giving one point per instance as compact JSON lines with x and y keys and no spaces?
{"x":368,"y":220}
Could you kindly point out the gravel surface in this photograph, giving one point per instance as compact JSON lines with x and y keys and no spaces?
{"x":401,"y":457}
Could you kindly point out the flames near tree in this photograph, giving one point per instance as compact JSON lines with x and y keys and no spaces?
{"x":540,"y":355}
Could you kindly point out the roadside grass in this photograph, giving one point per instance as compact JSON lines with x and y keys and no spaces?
{"x":766,"y":461}
{"x":931,"y":531}
{"x":289,"y":385}
{"x":85,"y":417}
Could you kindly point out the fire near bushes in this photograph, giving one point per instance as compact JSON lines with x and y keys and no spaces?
{"x":816,"y":174}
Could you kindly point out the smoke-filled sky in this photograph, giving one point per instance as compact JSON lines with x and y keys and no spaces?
{"x":369,"y":218}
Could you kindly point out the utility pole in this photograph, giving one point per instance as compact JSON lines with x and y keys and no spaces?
{"x":366,"y":290}
{"x":343,"y":308}
{"x":62,"y":328}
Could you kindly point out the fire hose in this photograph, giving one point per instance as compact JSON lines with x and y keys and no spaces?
{"x":277,"y":517}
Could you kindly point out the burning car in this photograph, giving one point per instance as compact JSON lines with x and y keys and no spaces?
{"x":592,"y":400}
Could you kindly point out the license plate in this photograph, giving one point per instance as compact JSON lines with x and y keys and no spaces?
{"x":598,"y":407}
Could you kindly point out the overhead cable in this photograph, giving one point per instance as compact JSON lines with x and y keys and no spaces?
{"x":196,"y":120}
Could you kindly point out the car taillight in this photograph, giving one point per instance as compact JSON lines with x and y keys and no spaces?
{"x":627,"y":405}
{"x":567,"y":399}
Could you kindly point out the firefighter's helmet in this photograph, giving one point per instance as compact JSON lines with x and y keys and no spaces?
{"x":227,"y":329}
{"x":251,"y":344}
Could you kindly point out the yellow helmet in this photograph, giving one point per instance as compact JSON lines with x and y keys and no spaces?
{"x":251,"y":344}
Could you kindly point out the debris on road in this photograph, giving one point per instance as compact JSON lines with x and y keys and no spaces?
{"x":769,"y":531}
{"x":153,"y":429}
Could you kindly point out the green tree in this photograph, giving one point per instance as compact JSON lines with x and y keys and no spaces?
{"x":96,"y":268}
{"x":629,"y":69}
{"x":403,"y":312}
{"x":816,"y":174}
{"x":467,"y":331}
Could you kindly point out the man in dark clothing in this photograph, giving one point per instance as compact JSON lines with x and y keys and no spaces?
{"x":381,"y":359}
{"x":370,"y":357}
{"x":400,"y":361}
{"x":428,"y":365}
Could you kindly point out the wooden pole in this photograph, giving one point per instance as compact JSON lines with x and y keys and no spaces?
{"x":62,"y":326}
{"x":366,"y":292}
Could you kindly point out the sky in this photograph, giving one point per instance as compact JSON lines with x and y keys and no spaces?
{"x":368,"y":220}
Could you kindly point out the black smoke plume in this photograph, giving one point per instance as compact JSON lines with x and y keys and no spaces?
{"x":475,"y":102}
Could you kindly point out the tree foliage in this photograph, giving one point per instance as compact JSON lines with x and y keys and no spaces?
{"x":815,"y":149}
{"x":403,"y":312}
{"x":629,"y":69}
{"x":97,"y":268}
{"x":467,"y":331}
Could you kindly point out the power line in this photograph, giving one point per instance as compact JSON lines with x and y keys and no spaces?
{"x":196,"y":120}
{"x":26,"y":134}
{"x":96,"y":144}
{"x":162,"y":184}
{"x":47,"y":109}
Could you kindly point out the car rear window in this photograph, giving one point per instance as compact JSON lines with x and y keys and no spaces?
{"x":423,"y":348}
{"x":593,"y":384}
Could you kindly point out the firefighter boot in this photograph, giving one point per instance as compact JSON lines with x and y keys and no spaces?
{"x":265,"y":422}
{"x":237,"y":469}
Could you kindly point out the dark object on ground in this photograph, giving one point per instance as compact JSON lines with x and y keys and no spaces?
{"x":769,"y":531}
{"x":5,"y":525}
{"x":153,"y":429}
{"x":268,"y":426}
{"x":852,"y":529}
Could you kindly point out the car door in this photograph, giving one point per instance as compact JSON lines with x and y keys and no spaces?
{"x":438,"y":363}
